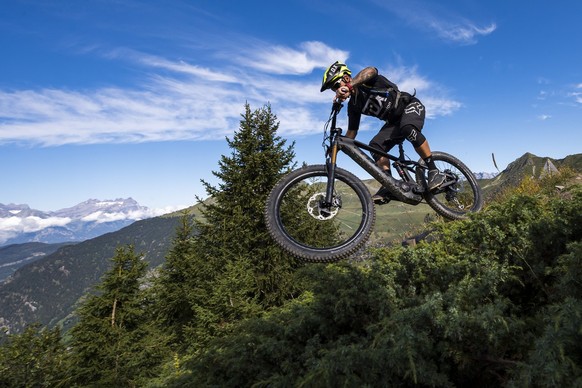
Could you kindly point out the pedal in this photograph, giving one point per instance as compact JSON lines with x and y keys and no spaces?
{"x":381,"y":200}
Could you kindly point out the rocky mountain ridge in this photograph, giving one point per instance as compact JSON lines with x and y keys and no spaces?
{"x":20,"y":224}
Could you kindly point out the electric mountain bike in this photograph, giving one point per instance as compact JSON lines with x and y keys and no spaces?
{"x":324,"y":213}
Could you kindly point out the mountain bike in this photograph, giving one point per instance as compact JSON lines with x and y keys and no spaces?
{"x":324,"y":213}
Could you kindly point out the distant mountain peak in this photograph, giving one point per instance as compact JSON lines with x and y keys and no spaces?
{"x":88,"y":219}
{"x":91,"y":206}
{"x":532,"y":166}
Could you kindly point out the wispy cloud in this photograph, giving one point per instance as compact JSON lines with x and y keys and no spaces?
{"x":577,"y":97}
{"x":410,"y":80}
{"x":464,"y":31}
{"x":286,"y":60}
{"x":577,"y":94}
{"x":444,"y":23}
{"x":179,"y":100}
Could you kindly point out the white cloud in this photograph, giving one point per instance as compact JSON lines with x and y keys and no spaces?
{"x":431,"y":94}
{"x":544,"y":117}
{"x":577,"y":95}
{"x":13,"y":226}
{"x":438,"y":20}
{"x":183,"y":67}
{"x":185,"y":101}
{"x":51,"y":117}
{"x":102,"y":217}
{"x":285,"y":60}
{"x":463,"y":32}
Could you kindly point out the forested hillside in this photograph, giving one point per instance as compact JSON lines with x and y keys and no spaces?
{"x":47,"y":290}
{"x":494,"y":300}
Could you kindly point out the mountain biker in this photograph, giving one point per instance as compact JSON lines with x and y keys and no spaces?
{"x":374,"y":95}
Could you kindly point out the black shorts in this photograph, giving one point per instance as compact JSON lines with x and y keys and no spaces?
{"x":390,"y":134}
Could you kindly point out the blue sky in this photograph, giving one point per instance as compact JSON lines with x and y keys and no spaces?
{"x":123,"y":98}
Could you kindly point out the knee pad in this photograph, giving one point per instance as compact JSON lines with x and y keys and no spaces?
{"x":413,"y":135}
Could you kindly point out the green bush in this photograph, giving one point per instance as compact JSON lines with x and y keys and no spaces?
{"x":492,"y":301}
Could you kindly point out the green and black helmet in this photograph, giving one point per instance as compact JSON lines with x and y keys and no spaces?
{"x":333,"y":74}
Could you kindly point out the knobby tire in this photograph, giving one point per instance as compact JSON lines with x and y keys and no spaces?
{"x":466,"y":192}
{"x":291,"y":215}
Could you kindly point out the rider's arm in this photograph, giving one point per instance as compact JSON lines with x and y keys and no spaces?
{"x":362,"y":77}
{"x":365,"y":75}
{"x":354,"y":117}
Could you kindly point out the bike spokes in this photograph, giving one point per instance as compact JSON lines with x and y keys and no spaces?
{"x":456,"y":192}
{"x":311,"y":222}
{"x":459,"y":194}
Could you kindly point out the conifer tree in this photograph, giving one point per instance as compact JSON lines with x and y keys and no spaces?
{"x":33,"y":358}
{"x":112,"y":344}
{"x":172,"y":305}
{"x":239,"y":272}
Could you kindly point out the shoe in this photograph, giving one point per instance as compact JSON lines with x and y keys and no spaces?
{"x":382,"y":196}
{"x":435,"y":179}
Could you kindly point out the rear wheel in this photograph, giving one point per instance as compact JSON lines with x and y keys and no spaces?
{"x":459,"y":194}
{"x":300,"y":222}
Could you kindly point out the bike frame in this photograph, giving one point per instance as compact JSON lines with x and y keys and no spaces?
{"x":406,"y":190}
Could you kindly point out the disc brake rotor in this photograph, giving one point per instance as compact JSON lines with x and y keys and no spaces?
{"x":321,"y":213}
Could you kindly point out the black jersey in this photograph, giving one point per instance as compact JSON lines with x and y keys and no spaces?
{"x":378,"y":98}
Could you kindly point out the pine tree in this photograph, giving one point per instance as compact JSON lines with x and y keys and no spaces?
{"x":33,"y":358}
{"x":171,"y":301}
{"x":113,"y":344}
{"x":239,"y":271}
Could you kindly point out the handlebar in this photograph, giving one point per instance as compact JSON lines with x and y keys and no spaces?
{"x":336,"y":107}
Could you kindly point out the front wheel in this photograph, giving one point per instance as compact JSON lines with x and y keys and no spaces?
{"x":459,"y":195}
{"x":300,"y":221}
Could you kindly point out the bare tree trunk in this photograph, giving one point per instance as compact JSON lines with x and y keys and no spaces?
{"x":113,"y":312}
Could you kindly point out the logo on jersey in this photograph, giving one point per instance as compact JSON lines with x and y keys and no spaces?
{"x":415,"y":107}
{"x":377,"y":106}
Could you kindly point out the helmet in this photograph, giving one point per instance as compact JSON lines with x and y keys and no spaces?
{"x":333,"y":74}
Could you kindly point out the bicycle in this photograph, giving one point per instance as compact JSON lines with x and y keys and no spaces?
{"x":324,"y":213}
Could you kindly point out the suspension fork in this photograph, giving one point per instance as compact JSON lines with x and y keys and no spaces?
{"x":333,"y":150}
{"x":330,"y":166}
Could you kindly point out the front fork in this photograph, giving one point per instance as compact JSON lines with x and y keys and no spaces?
{"x":330,"y":165}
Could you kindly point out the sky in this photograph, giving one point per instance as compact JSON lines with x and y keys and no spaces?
{"x":111,"y":99}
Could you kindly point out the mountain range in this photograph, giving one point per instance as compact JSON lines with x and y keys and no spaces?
{"x":15,"y":256}
{"x":48,"y":290}
{"x":21,"y":224}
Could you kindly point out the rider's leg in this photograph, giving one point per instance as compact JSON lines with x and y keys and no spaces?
{"x":383,"y":194}
{"x":435,"y":177}
{"x":383,"y":142}
{"x":411,"y":123}
{"x":422,"y":148}
{"x":384,"y":164}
